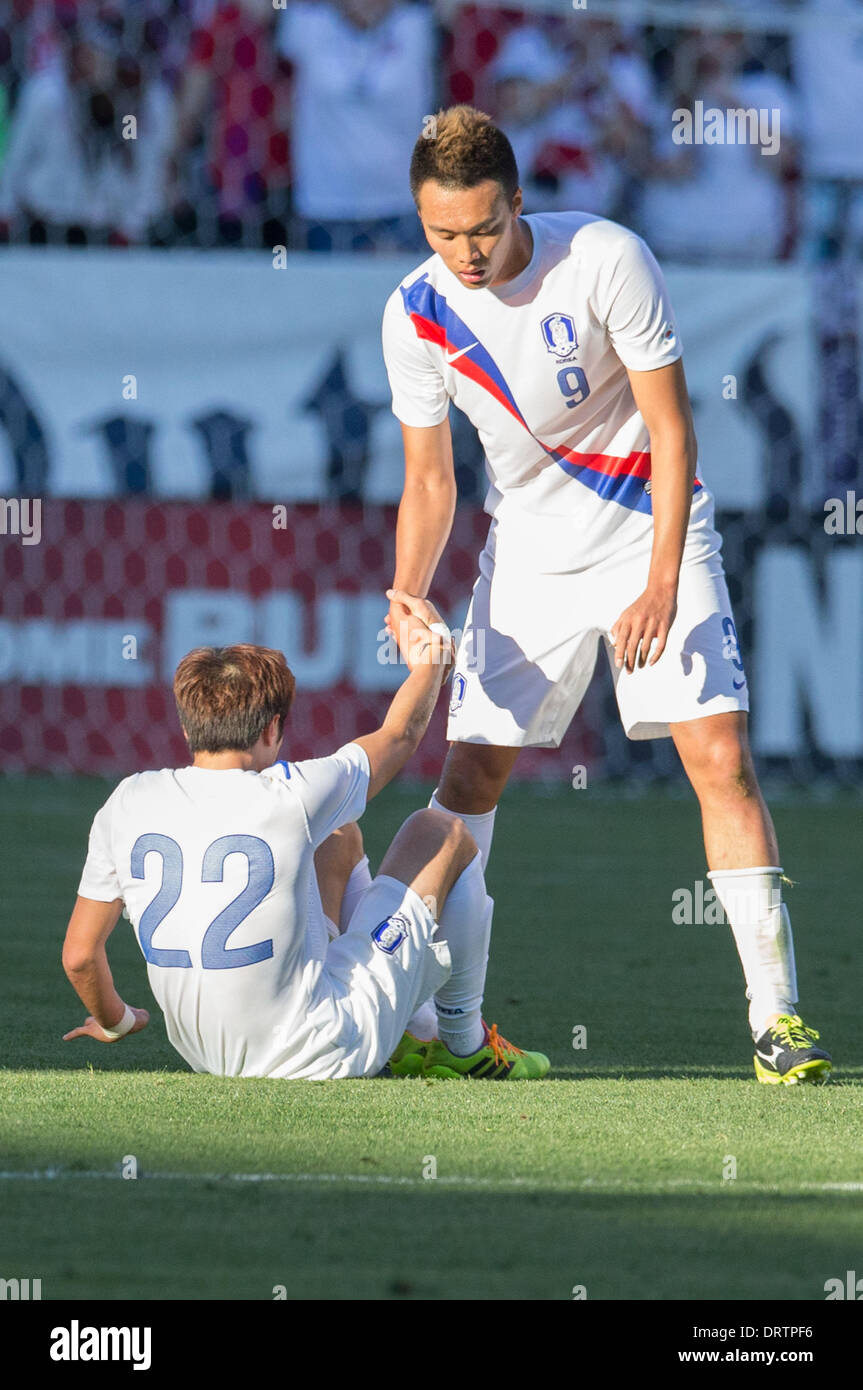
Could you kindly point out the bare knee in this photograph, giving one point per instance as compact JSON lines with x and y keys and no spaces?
{"x":721,"y":764}
{"x":448,"y":829}
{"x":434,"y":835}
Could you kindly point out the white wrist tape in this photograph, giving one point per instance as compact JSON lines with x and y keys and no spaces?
{"x":124,"y":1026}
{"x":441,"y":629}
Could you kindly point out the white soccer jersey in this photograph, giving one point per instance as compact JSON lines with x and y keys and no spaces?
{"x":539,"y":366}
{"x":216,"y":869}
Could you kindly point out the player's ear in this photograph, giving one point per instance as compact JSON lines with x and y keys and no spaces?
{"x":517,"y":203}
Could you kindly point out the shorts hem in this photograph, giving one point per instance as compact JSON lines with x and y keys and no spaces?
{"x":643,"y":730}
{"x":526,"y":742}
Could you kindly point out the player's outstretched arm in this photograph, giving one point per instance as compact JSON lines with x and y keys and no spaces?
{"x":85,"y":961}
{"x":429,"y":655}
{"x":426,"y":510}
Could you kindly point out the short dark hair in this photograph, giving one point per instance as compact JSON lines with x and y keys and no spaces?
{"x":461,"y":147}
{"x":227,"y":696}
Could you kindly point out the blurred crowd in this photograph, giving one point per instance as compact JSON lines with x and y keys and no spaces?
{"x":291,"y":122}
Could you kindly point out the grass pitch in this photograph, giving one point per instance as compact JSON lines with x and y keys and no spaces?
{"x":616,"y":1174}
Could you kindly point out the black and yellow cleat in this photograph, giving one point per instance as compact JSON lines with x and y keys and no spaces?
{"x":786,"y":1055}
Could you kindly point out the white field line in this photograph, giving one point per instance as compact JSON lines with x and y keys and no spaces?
{"x":598,"y":1185}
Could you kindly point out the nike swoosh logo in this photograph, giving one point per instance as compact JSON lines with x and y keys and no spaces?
{"x":461,"y":352}
{"x":774,"y":1053}
{"x":738,"y":685}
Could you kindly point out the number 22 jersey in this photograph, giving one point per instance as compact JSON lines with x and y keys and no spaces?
{"x":216,"y":870}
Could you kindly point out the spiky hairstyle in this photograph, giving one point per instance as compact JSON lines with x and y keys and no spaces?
{"x":461,"y":147}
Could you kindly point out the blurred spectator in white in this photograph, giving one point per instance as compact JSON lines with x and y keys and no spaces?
{"x":39,"y":26}
{"x":363,"y":87}
{"x":87,"y":146}
{"x":530,"y":80}
{"x":726,"y":200}
{"x":827,"y":59}
{"x":572,"y":131}
{"x":237,"y":91}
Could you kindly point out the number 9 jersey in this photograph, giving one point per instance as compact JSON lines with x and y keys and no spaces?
{"x":538,"y":364}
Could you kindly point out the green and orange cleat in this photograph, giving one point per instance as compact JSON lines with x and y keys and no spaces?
{"x":409,"y":1056}
{"x":496,"y":1060}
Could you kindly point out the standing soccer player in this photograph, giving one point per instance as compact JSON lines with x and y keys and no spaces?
{"x":555,"y":335}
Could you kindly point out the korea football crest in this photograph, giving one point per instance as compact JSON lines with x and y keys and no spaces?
{"x":389,"y":934}
{"x":459,"y":686}
{"x":558,"y":331}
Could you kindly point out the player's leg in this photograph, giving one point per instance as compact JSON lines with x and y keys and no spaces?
{"x":344,"y":875}
{"x":473,"y":778}
{"x":743,"y":859}
{"x":436,"y":856}
{"x":738,"y":830}
{"x":471,"y":784}
{"x":697,"y":693}
{"x":517,"y":681}
{"x":475,"y":772}
{"x":431,"y":853}
{"x":342,"y":870}
{"x":422,"y":929}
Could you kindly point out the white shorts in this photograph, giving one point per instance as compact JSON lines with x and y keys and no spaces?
{"x":380,"y":970}
{"x":531,"y":638}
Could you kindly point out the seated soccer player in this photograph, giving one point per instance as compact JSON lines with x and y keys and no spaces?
{"x":269,"y":948}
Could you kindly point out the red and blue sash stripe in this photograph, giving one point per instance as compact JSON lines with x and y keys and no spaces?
{"x":612,"y":478}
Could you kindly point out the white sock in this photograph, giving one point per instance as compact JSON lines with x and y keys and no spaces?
{"x":752,"y":900}
{"x":423,"y":1023}
{"x":481,"y":827}
{"x":465,"y":924}
{"x":359,"y":881}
